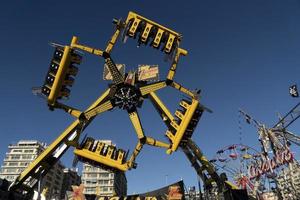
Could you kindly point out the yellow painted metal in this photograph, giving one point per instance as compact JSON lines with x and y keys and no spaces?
{"x":172,"y":70}
{"x":45,"y":191}
{"x":112,"y":41}
{"x":99,"y":100}
{"x":110,"y":151}
{"x":138,"y":18}
{"x":169,"y":43}
{"x":30,"y":170}
{"x":136,"y":151}
{"x":176,"y":136}
{"x":153,"y":142}
{"x":72,"y":111}
{"x":207,"y":166}
{"x":146,"y":32}
{"x":160,"y":107}
{"x":99,"y":147}
{"x":148,"y":28}
{"x":231,"y":185}
{"x":179,"y":114}
{"x":88,"y":144}
{"x":121,"y":155}
{"x":106,"y":160}
{"x":134,"y":117}
{"x":99,"y":109}
{"x":40,"y":161}
{"x":152,"y":87}
{"x":174,"y":125}
{"x":183,"y":89}
{"x":74,"y":44}
{"x":59,"y":77}
{"x":247,"y":156}
{"x":157,"y":38}
{"x":133,"y":27}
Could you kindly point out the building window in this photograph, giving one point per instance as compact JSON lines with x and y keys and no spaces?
{"x":15,"y":157}
{"x":28,"y":151}
{"x":104,"y":175}
{"x":17,"y":150}
{"x":90,"y":189}
{"x":13,"y":164}
{"x":24,"y":164}
{"x":10,"y":178}
{"x":11,"y":170}
{"x":26,"y":156}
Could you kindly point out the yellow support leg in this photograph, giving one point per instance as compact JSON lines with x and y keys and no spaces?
{"x":38,"y":165}
{"x":172,"y":70}
{"x":145,"y":90}
{"x":72,"y":111}
{"x":99,"y":109}
{"x":41,"y":163}
{"x":153,"y":142}
{"x":113,"y":40}
{"x":164,"y":112}
{"x":134,"y":117}
{"x":136,"y":151}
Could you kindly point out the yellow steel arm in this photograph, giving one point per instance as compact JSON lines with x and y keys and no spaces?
{"x":72,"y":111}
{"x":164,"y":112}
{"x":184,"y":90}
{"x":99,"y":100}
{"x":202,"y":159}
{"x":153,"y":142}
{"x":136,"y":151}
{"x":74,"y":44}
{"x":40,"y":163}
{"x":197,"y":166}
{"x":44,"y":161}
{"x":152,"y":87}
{"x":114,"y":38}
{"x":99,"y":109}
{"x":134,"y":118}
{"x":206,"y":171}
{"x":172,"y":70}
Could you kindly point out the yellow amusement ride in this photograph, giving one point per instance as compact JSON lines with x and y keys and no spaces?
{"x":127,"y":92}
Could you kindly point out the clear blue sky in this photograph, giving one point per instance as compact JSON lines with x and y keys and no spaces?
{"x":242,"y":54}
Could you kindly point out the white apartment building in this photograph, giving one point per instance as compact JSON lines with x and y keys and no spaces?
{"x":100,"y":182}
{"x":20,"y":155}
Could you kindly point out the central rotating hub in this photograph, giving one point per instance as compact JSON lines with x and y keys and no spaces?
{"x":127,"y":97}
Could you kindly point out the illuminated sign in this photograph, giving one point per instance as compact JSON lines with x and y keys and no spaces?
{"x":148,"y":73}
{"x":263,"y":166}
